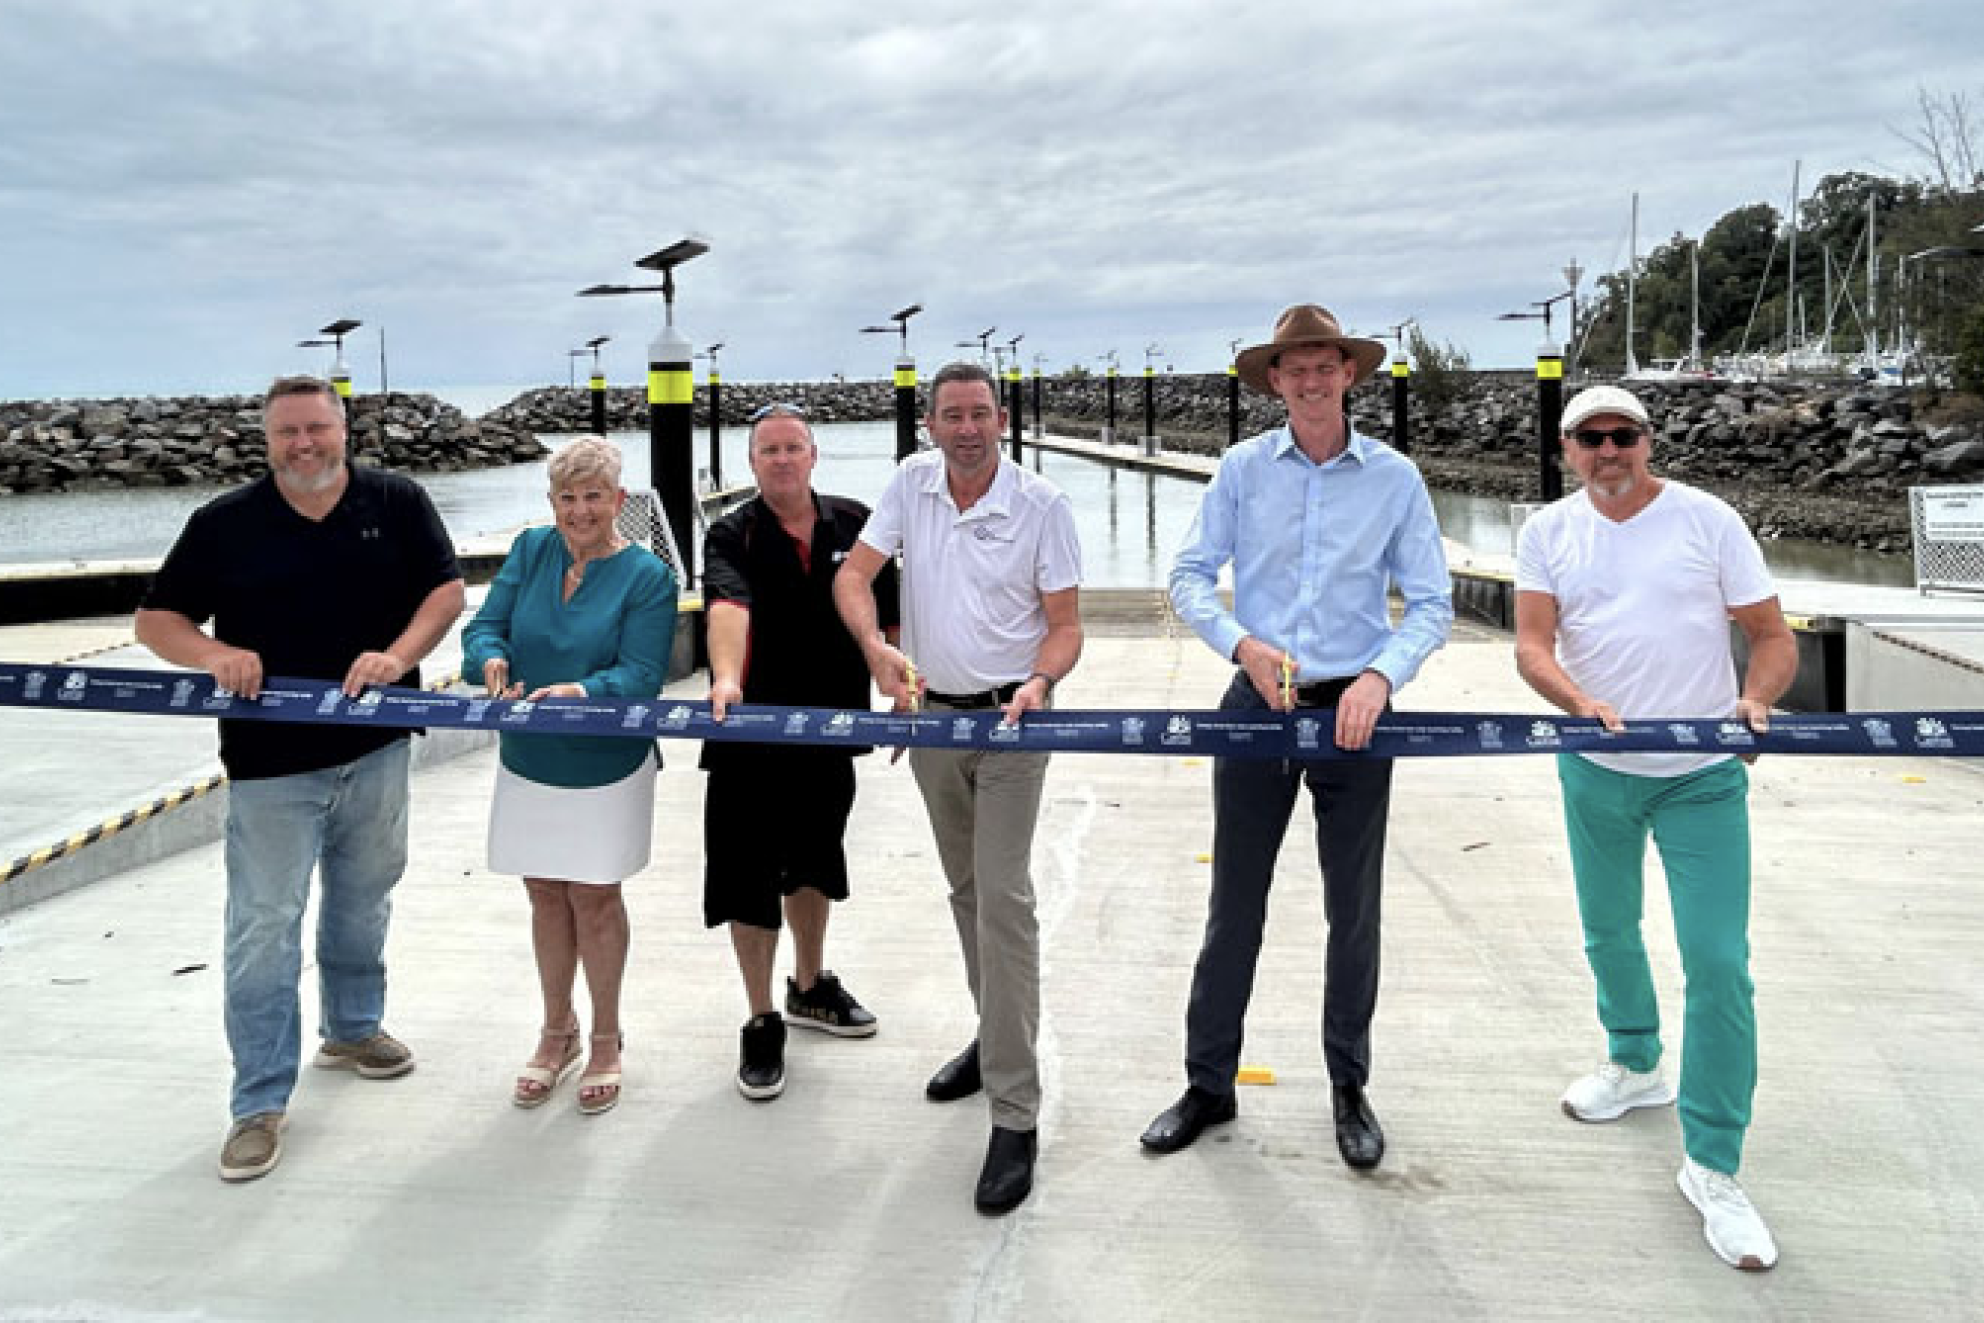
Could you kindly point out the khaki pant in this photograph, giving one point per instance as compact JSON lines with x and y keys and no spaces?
{"x":982,"y":807}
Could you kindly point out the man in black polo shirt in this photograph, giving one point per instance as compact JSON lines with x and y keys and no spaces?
{"x":774,"y":637}
{"x":318,"y":570}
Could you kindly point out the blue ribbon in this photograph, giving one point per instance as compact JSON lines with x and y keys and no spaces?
{"x":1304,"y":734}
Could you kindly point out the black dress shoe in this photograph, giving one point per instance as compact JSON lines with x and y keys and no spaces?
{"x":1007,"y":1177}
{"x":1358,"y":1137}
{"x":1180,"y":1124}
{"x":956,"y":1078}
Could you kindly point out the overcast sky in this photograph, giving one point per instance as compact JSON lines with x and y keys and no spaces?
{"x":187,"y":189}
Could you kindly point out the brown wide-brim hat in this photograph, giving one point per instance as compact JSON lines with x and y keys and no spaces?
{"x":1302,"y":326}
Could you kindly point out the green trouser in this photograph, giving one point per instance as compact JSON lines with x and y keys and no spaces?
{"x":1700,"y":823}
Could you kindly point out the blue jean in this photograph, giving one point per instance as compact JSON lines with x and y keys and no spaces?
{"x":348,"y":821}
{"x":1700,"y":823}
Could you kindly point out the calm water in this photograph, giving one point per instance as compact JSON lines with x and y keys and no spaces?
{"x":1131,"y":524}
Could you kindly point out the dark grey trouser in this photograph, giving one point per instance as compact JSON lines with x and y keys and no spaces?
{"x":1252,"y":802}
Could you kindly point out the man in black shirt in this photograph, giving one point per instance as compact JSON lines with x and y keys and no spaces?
{"x":775,"y":637}
{"x":318,"y":570}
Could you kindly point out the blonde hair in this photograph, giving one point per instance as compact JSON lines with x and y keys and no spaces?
{"x":589,"y":457}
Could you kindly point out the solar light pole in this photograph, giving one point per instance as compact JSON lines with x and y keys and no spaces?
{"x":597,"y":383}
{"x":1151,"y":353}
{"x":905,"y":379}
{"x":1232,"y":393}
{"x":1038,"y":430}
{"x":1013,"y":391}
{"x":572,"y":357}
{"x":1573,"y":273}
{"x":671,"y":400}
{"x":984,"y":342}
{"x":1401,"y":386}
{"x":1109,"y":426}
{"x":716,"y":418}
{"x":1549,"y":395}
{"x":340,"y":374}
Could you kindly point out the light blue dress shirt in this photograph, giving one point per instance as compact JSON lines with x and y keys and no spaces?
{"x":1315,"y":549}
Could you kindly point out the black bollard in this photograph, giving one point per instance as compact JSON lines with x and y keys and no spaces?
{"x":1401,"y":407}
{"x":1549,"y":413}
{"x":1013,"y":407}
{"x":1232,"y":405}
{"x":671,"y":441}
{"x":905,"y":408}
{"x":598,"y":385}
{"x":1109,"y":428}
{"x":716,"y":429}
{"x":1150,"y":409}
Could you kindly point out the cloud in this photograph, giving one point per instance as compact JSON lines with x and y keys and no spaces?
{"x":184,"y":196}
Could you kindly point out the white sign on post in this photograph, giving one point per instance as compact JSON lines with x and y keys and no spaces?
{"x":1953,"y":514}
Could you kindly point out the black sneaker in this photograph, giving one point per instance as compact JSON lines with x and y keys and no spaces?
{"x":827,"y":1005}
{"x":761,"y":1058}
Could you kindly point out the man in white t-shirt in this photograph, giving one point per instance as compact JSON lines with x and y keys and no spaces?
{"x":990,"y":575}
{"x":1624,"y":593}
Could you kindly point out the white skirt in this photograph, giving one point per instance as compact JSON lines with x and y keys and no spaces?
{"x":593,"y":834}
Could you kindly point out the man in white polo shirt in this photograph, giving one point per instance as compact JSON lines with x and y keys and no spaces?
{"x":990,"y":575}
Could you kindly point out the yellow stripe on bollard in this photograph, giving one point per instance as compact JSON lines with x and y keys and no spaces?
{"x":1549,"y":369}
{"x":671,"y":385}
{"x":906,"y":378}
{"x":598,"y":382}
{"x":1401,"y":369}
{"x":342,"y":385}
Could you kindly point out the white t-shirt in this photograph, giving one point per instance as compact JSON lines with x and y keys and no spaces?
{"x":971,"y":583}
{"x":1643,"y":607}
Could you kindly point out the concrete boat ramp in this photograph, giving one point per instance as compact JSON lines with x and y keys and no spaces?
{"x":431,"y":1197}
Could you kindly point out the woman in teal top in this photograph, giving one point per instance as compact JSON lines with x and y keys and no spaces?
{"x":575,"y":612}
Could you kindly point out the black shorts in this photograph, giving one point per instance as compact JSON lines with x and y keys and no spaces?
{"x":773,"y":820}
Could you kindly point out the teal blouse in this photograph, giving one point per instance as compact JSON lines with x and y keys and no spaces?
{"x":613,"y":636}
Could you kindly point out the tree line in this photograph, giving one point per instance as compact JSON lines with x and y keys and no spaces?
{"x":1926,"y":294}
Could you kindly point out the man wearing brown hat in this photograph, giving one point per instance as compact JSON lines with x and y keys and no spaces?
{"x":1319,"y":523}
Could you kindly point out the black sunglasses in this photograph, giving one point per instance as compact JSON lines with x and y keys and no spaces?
{"x":779,"y":409}
{"x":1591,"y":438}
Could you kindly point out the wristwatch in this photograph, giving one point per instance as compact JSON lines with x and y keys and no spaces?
{"x":1042,"y":675}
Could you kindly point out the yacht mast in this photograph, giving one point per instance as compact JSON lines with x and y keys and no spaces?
{"x":1791,"y":279}
{"x":1632,"y":275}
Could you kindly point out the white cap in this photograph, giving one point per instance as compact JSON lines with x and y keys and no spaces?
{"x":1602,"y":399}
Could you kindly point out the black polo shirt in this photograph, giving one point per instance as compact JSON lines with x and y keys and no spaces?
{"x":800,"y":652}
{"x":307,"y":596}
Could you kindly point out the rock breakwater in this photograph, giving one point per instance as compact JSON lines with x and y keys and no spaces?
{"x":77,"y":445}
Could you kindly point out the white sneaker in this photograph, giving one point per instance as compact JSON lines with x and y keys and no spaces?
{"x":1612,"y":1091}
{"x":1732,"y":1225}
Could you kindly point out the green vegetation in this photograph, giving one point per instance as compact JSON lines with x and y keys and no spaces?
{"x":1929,"y":266}
{"x":1439,"y":371}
